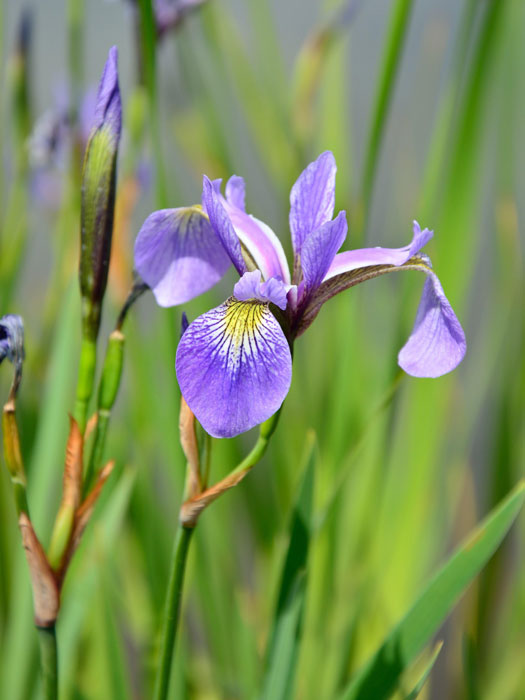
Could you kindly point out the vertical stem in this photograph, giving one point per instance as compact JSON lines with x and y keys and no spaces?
{"x":49,"y":661}
{"x":172,"y":610}
{"x":86,"y":379}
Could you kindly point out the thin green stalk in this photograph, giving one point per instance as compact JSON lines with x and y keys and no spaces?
{"x":86,"y":380}
{"x":174,"y":595}
{"x":49,"y":661}
{"x":399,"y":22}
{"x":172,"y":610}
{"x":255,"y":455}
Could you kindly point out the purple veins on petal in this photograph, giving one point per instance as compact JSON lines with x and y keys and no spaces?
{"x":178,"y":255}
{"x":108,"y":110}
{"x":364,"y":257}
{"x":312,"y":199}
{"x":221,"y":224}
{"x":437,"y":343}
{"x":234,"y":367}
{"x":251,"y":287}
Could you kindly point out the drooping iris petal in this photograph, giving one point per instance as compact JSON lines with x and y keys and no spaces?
{"x":235,"y":192}
{"x":234,"y":367}
{"x":312,"y":199}
{"x":363,"y":257}
{"x":251,"y":287}
{"x":319,"y":250}
{"x":437,"y":343}
{"x":221,"y":224}
{"x":178,"y":255}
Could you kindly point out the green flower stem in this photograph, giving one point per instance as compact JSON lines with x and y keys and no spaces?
{"x":180,"y":553}
{"x":49,"y":660}
{"x":107,"y":394}
{"x":255,"y":455}
{"x":172,"y":610}
{"x":86,"y":380}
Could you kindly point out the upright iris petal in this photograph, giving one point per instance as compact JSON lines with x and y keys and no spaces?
{"x":178,"y":255}
{"x":319,"y":250}
{"x":312,"y":199}
{"x":221,"y":224}
{"x":234,"y":367}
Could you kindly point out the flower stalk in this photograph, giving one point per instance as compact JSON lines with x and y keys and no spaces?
{"x":172,"y":609}
{"x":49,"y":660}
{"x":188,"y":518}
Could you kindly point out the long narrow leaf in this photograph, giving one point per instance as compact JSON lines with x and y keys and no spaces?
{"x":379,"y":677}
{"x":283,"y":646}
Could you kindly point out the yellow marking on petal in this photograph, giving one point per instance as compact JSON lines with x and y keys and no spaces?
{"x":185,"y":216}
{"x":242,"y":319}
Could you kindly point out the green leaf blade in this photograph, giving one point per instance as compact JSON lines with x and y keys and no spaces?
{"x":379,"y":677}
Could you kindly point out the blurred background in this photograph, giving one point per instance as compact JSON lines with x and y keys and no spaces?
{"x":421,"y":103}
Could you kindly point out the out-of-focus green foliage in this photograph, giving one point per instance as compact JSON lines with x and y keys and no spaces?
{"x":404,"y":468}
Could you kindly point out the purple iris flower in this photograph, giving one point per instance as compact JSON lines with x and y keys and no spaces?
{"x":234,"y":362}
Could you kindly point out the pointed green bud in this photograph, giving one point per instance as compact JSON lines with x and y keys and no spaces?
{"x":98,"y":197}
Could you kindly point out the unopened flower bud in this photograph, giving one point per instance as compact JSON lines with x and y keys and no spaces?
{"x":98,"y":196}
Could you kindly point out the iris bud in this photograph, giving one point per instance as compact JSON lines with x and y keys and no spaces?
{"x":98,"y":197}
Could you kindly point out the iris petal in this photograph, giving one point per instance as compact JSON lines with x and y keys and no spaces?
{"x":221,"y":224}
{"x":363,"y":257}
{"x":235,"y":192}
{"x":312,"y":199}
{"x":320,"y":248}
{"x":178,"y":255}
{"x":234,"y":367}
{"x":437,"y":343}
{"x":250,"y":286}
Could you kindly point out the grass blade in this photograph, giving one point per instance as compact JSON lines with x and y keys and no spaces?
{"x":424,"y":676}
{"x":379,"y":677}
{"x":285,"y":637}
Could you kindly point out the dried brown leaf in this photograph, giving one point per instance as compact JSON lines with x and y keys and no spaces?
{"x":46,"y":595}
{"x":90,"y":427}
{"x":193,"y":507}
{"x":72,"y":481}
{"x":82,"y":516}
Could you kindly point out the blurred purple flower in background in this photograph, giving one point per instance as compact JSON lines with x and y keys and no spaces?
{"x":234,"y":362}
{"x":170,"y":13}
